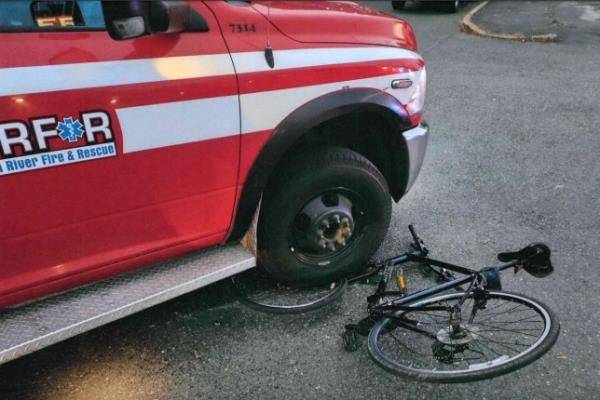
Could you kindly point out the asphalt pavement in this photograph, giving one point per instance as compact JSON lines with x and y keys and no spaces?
{"x":513,"y":158}
{"x":570,"y":21}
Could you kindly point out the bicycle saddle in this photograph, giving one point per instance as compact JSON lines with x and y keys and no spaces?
{"x":535,"y":259}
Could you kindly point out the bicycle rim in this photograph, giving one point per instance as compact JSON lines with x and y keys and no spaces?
{"x":258,"y":290}
{"x":510,"y":332}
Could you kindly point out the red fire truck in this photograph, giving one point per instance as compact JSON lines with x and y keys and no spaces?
{"x":133,"y":132}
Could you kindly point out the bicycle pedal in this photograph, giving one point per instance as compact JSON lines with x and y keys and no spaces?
{"x":362,"y":327}
{"x":350,"y":340}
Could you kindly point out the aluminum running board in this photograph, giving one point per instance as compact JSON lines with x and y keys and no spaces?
{"x":34,"y":326}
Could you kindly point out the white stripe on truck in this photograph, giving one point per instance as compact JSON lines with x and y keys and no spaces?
{"x":50,"y":78}
{"x":169,"y":124}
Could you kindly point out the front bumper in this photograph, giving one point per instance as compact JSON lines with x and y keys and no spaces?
{"x":416,"y":144}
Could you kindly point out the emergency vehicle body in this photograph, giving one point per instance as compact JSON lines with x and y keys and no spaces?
{"x":115,"y":154}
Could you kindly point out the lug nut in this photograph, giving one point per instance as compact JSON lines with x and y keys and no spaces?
{"x":343,"y":242}
{"x":345,"y":221}
{"x":336,"y":218}
{"x":322,"y":244}
{"x":325,"y":224}
{"x":331,"y":246}
{"x":320,"y":233}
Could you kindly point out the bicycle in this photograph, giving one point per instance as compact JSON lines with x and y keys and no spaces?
{"x":478,"y":332}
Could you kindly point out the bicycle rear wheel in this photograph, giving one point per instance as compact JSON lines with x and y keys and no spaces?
{"x":507,"y":332}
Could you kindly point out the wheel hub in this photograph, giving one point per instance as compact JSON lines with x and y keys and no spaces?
{"x":460,"y":335}
{"x":331,"y":222}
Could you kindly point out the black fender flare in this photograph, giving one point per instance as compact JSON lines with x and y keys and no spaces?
{"x":299,"y":123}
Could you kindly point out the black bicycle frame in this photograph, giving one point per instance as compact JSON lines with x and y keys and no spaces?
{"x":470,"y":275}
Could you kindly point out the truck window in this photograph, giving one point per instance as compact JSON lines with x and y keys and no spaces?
{"x":50,"y":15}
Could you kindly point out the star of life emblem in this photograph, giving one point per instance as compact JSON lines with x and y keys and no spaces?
{"x":70,"y":130}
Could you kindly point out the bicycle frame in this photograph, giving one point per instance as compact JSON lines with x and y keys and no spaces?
{"x":470,"y":275}
{"x":404,"y":302}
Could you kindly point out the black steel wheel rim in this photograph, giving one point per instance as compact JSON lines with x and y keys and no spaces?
{"x":328,"y":226}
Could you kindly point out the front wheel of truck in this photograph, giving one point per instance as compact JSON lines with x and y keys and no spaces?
{"x":448,"y":6}
{"x":398,"y":5}
{"x":323,"y":216}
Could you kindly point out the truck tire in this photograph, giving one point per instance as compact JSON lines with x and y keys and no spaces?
{"x":322,"y":216}
{"x":398,"y":4}
{"x":448,"y":6}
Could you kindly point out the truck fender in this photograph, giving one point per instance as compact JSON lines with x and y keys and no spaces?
{"x":289,"y":131}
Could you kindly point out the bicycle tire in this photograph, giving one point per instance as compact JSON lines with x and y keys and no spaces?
{"x":532,"y":353}
{"x":329,"y":297}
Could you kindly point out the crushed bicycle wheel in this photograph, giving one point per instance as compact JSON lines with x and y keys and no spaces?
{"x":258,"y":290}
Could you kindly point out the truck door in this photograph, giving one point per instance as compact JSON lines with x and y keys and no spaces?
{"x":111,"y":152}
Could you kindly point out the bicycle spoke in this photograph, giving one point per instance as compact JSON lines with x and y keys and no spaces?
{"x":503,"y":344}
{"x":405,"y":346}
{"x":477,"y":352}
{"x":526,"y":319}
{"x":507,"y":328}
{"x":443,"y":321}
{"x":480,"y":344}
{"x":500,"y":304}
{"x":495,"y":328}
{"x":507,"y":311}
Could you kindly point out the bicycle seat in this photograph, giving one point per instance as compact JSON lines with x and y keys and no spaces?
{"x":535,"y":259}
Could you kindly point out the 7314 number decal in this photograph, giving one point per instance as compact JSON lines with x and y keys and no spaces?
{"x":242,"y":28}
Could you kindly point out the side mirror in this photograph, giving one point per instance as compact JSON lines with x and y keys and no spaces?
{"x":135,"y":18}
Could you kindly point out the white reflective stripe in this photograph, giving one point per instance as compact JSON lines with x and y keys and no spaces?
{"x":265,"y":110}
{"x":169,"y":124}
{"x":285,"y":59}
{"x":49,"y":78}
